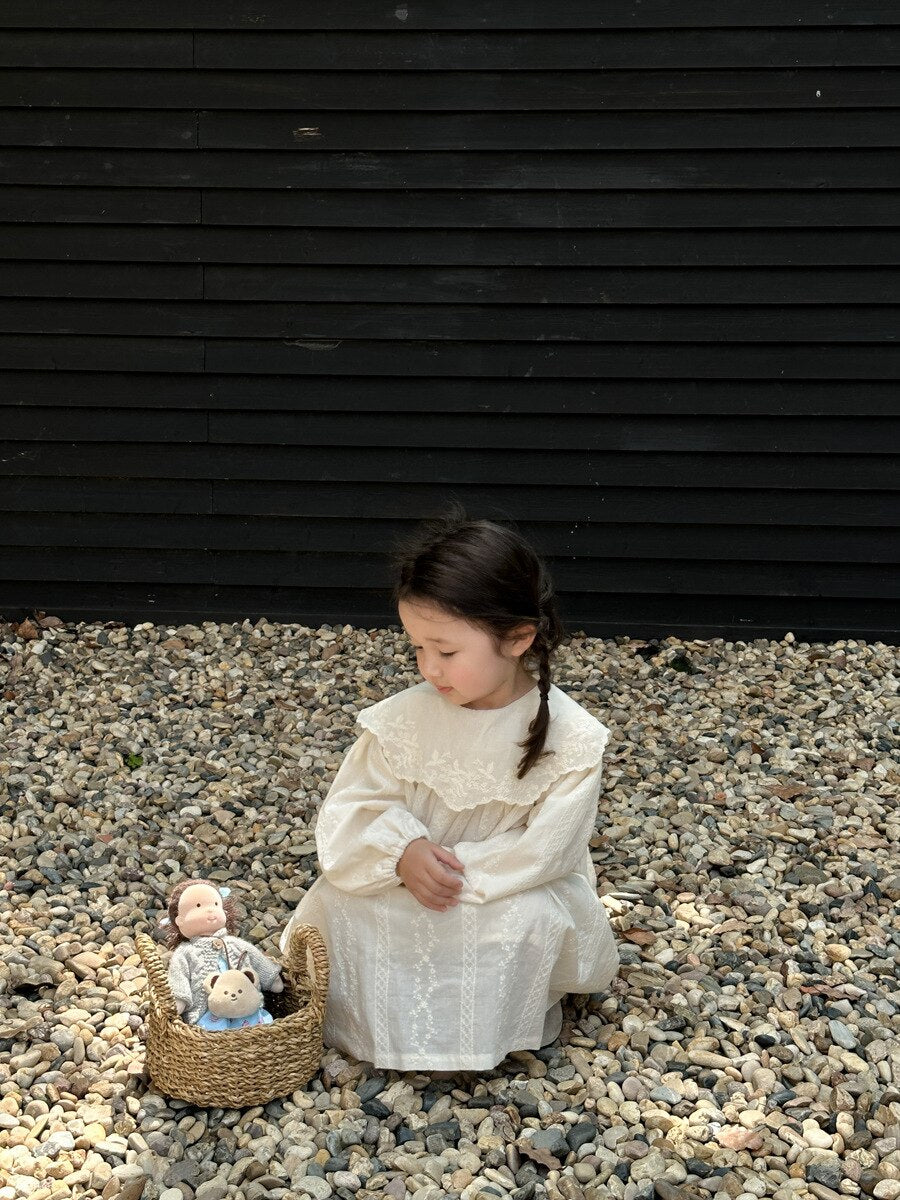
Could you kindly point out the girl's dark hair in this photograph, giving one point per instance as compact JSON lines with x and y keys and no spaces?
{"x":488,"y":575}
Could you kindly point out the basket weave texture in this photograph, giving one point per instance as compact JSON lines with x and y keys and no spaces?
{"x":235,"y":1068}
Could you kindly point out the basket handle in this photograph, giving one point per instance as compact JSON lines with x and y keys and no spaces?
{"x":306,"y":966}
{"x":160,"y":992}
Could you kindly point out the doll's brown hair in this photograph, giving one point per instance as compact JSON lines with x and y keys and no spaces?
{"x":173,"y":935}
{"x":490,"y":576}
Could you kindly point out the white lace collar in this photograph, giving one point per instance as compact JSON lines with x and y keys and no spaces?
{"x":469,"y":756}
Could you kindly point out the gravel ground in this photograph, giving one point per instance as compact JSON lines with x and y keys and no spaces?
{"x":749,"y":1046}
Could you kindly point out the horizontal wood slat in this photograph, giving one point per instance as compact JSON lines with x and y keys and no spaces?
{"x":448,"y":466}
{"x":421,"y":132}
{"x":864,"y":168}
{"x":806,"y":88}
{"x":471,"y":50}
{"x":771,"y":399}
{"x":520,"y":323}
{"x":748,"y":435}
{"x":876,"y":581}
{"x":547,"y":286}
{"x":627,"y":543}
{"x":449,"y":210}
{"x":319,"y":503}
{"x":822,"y":249}
{"x":523,"y":360}
{"x":449,"y":14}
{"x":324,"y":501}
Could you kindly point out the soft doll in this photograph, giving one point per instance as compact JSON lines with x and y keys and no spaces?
{"x":234,"y":1001}
{"x":201,"y":935}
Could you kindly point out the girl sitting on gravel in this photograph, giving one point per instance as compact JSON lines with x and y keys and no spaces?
{"x":457,"y":897}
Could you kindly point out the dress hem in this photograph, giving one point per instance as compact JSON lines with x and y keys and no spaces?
{"x":440,"y":1062}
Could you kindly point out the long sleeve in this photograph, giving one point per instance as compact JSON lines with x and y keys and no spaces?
{"x":190,"y":964}
{"x":180,"y":980}
{"x":364,"y":825}
{"x":551,"y":845}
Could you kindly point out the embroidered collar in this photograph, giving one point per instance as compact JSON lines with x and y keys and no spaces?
{"x":415,"y":727}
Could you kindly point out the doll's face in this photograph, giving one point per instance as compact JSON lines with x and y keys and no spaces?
{"x":200,"y":911}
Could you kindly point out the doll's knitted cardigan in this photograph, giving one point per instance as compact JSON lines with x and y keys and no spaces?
{"x":194,"y":961}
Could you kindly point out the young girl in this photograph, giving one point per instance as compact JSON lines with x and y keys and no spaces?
{"x":457,"y":897}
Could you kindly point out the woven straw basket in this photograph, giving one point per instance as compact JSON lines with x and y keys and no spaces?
{"x":234,"y":1068}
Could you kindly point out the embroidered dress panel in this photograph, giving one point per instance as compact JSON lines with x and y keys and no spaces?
{"x":415,"y":989}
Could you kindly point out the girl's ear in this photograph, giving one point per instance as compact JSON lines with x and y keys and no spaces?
{"x":520,"y":639}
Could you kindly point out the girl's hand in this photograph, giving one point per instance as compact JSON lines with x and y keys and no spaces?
{"x":423,"y":868}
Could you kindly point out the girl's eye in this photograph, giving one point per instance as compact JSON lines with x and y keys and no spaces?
{"x":447,"y":653}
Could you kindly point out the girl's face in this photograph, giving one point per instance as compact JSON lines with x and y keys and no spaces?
{"x":461,"y":661}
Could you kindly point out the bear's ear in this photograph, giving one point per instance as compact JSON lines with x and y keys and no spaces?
{"x":252,"y":976}
{"x":210,"y":982}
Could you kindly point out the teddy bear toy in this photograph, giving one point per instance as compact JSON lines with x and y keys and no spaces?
{"x":201,"y":931}
{"x":234,"y":1001}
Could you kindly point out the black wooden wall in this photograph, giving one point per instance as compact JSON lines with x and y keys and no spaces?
{"x":280,"y":279}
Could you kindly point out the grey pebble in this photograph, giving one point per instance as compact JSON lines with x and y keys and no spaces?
{"x":57,"y":1142}
{"x":371,"y":1088}
{"x":825,"y":1171}
{"x":842,"y":1035}
{"x":320,"y":1189}
{"x":553,"y":1140}
{"x":180,"y":1172}
{"x":580,"y":1134}
{"x":213,"y":1189}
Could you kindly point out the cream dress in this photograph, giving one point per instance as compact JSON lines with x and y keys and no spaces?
{"x":415,"y":989}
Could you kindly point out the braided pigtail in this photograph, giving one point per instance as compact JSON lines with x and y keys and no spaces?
{"x":549,"y":635}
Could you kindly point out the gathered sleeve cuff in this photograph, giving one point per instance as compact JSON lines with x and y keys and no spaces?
{"x":551,"y":845}
{"x":364,"y":825}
